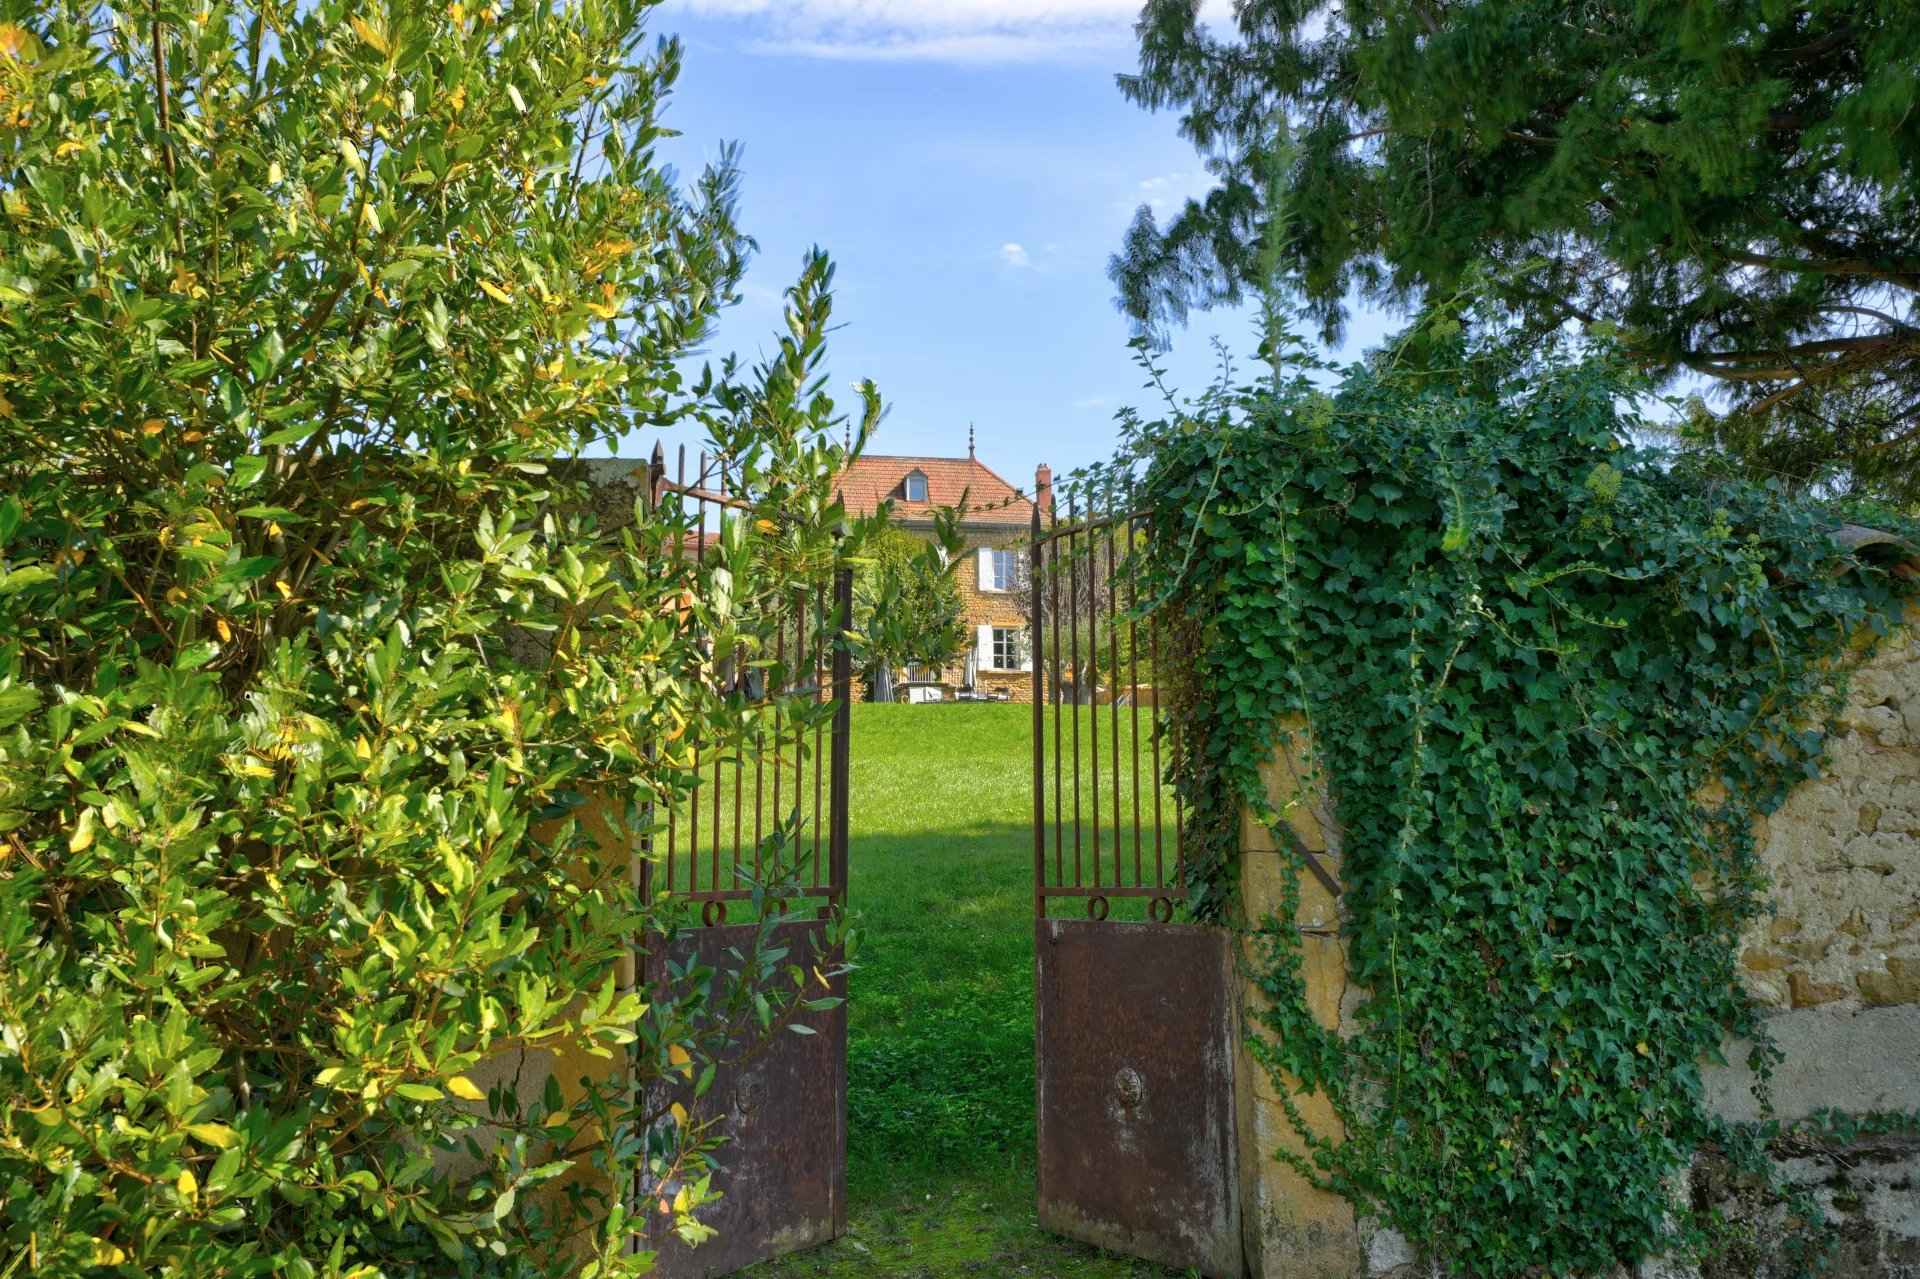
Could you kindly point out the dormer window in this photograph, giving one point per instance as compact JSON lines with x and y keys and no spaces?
{"x":914,"y":487}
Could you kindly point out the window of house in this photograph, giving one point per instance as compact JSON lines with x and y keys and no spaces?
{"x":1002,"y":570}
{"x":914,"y":488}
{"x":1006,"y":648}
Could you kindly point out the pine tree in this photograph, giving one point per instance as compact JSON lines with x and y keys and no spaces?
{"x":1728,"y":185}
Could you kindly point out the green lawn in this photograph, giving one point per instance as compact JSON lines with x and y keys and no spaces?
{"x":941,"y":1007}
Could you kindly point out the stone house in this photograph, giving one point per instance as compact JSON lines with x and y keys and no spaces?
{"x":998,"y":662}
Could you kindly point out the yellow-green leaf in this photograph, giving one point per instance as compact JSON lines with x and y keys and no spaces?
{"x":217,"y":1135}
{"x":366,"y":31}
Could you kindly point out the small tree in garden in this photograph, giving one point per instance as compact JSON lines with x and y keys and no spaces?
{"x":327,"y":713}
{"x":906,"y":604}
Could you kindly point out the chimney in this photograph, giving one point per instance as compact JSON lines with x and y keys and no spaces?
{"x":1043,"y":488}
{"x":969,"y":441}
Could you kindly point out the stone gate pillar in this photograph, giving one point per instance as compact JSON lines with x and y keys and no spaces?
{"x":1292,"y":1229}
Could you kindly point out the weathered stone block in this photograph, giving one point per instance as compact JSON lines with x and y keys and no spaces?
{"x":1899,"y":984}
{"x":1808,"y":993}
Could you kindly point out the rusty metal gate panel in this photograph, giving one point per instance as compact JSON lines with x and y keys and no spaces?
{"x":1135,"y":1013}
{"x":1134,"y":1040}
{"x":783,"y":1170}
{"x":778,"y":801}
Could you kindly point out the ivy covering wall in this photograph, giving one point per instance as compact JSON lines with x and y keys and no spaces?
{"x":1549,"y":679}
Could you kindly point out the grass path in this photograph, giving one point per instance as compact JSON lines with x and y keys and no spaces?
{"x":941,"y":1008}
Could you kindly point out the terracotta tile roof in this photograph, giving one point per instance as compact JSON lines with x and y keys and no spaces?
{"x":990,"y":499}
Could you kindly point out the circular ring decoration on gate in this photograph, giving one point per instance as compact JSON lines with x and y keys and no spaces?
{"x":713,"y":913}
{"x":1097,"y":907}
{"x":1160,"y":910}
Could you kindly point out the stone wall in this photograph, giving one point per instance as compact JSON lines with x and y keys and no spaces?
{"x":1844,"y":857}
{"x":1839,"y":963}
{"x":1838,"y":960}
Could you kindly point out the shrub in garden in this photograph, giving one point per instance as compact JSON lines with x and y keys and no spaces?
{"x":328,"y":714}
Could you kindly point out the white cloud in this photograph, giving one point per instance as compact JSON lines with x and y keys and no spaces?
{"x":942,"y":30}
{"x":1015,"y":255}
{"x":1167,"y":193}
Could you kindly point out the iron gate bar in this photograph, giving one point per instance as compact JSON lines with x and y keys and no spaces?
{"x":1133,"y":700}
{"x":1153,"y":638}
{"x":803,"y":638}
{"x":1090,"y":555}
{"x":1093,"y":701}
{"x":1034,"y":568}
{"x":1113,"y":701}
{"x":1079,"y":681}
{"x":1041,"y":668}
{"x":841,"y":798}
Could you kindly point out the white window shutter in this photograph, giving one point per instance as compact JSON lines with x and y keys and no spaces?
{"x":983,"y":646}
{"x":1026,"y":650}
{"x":984,"y":557}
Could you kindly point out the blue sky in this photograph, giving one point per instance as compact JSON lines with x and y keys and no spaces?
{"x":970,"y":166}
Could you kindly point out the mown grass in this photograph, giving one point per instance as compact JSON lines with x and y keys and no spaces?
{"x":941,"y":1066}
{"x":940,"y":1055}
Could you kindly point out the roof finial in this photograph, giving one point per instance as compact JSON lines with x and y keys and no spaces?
{"x":969,"y":441}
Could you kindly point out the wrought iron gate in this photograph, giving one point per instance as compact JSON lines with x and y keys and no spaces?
{"x":783,"y":1109}
{"x":1134,"y":1015}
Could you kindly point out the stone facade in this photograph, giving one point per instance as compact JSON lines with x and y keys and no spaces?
{"x":985,"y":607}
